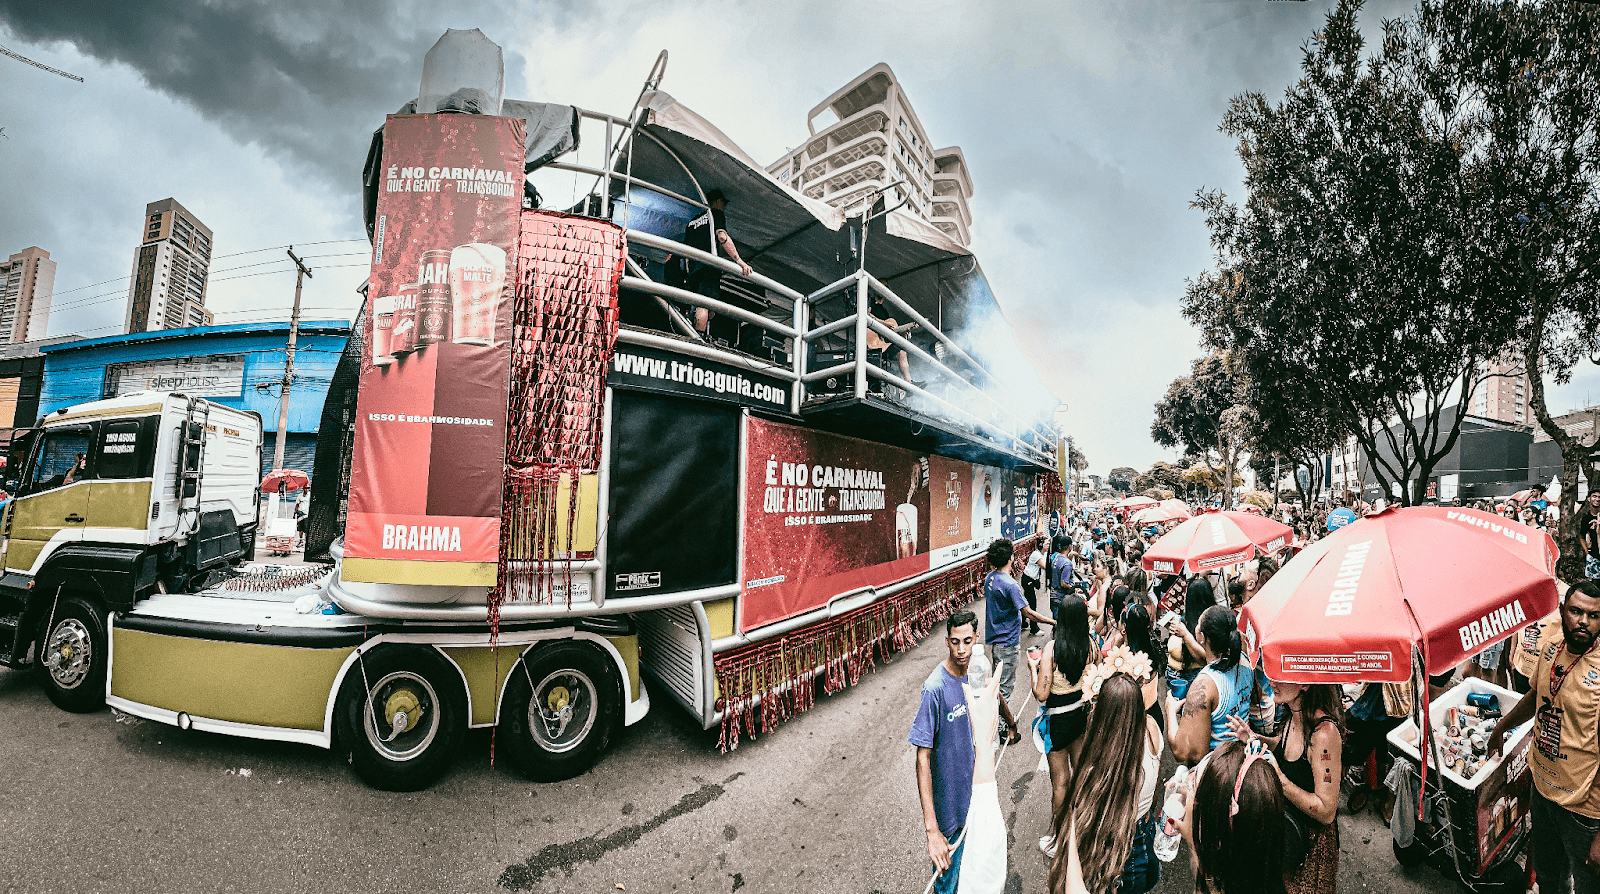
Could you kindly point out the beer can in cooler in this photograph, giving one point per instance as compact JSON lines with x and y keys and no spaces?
{"x":403,"y":337}
{"x":477,"y":280}
{"x":433,"y":300}
{"x":382,"y":329}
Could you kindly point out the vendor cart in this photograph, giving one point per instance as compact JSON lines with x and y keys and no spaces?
{"x":283,"y":488}
{"x":1373,"y":603}
{"x":1475,"y":827}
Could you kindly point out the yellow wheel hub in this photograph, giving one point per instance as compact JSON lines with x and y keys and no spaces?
{"x":557,"y":699}
{"x":65,"y":651}
{"x":402,"y":700}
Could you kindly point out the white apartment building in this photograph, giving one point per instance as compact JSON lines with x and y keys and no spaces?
{"x":27,"y":279}
{"x":874,"y":140}
{"x":170,"y":271}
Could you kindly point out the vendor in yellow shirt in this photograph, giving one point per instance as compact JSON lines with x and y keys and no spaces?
{"x":1565,"y":707}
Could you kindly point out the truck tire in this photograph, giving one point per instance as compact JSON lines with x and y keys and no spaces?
{"x":563,"y":703}
{"x":72,"y":656}
{"x":388,"y":752}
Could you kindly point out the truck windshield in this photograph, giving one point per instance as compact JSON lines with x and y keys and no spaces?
{"x":62,"y":459}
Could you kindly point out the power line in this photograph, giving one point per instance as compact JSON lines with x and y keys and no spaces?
{"x":213,"y":258}
{"x":66,"y":74}
{"x":291,"y":270}
{"x":119,"y":294}
{"x":285,"y":245}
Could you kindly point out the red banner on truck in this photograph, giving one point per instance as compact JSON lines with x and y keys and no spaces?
{"x":428,"y":465}
{"x":826,"y":515}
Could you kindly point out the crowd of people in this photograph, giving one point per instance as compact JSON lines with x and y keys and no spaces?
{"x":1127,"y":667}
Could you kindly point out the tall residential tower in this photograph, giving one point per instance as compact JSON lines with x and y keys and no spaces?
{"x":1503,"y":396}
{"x":170,"y":271}
{"x":877,"y":140}
{"x":26,"y":281}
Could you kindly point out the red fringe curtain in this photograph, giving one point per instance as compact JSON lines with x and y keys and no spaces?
{"x":762,"y":685}
{"x":564,"y":326}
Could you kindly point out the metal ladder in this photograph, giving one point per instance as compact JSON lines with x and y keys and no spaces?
{"x":196,"y":418}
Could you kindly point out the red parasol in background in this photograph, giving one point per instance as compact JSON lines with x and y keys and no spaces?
{"x":1215,"y":539}
{"x":1136,"y":502}
{"x":292,"y":479}
{"x":1165,"y":511}
{"x":1353,"y":606}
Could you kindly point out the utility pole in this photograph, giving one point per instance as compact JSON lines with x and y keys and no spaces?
{"x":302,"y":273}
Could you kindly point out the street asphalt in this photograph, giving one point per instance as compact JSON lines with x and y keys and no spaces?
{"x":827,"y":803}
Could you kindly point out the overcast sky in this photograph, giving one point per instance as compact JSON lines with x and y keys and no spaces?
{"x":1088,"y":127}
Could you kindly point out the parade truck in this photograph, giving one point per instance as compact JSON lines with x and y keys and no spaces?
{"x":538,"y":485}
{"x":115,"y":501}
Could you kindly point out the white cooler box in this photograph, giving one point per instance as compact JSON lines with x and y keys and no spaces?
{"x":1493,"y":804}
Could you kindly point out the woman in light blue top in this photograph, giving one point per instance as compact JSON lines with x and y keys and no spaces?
{"x":1222,"y":689}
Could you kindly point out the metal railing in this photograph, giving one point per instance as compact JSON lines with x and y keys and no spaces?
{"x":992,"y":421}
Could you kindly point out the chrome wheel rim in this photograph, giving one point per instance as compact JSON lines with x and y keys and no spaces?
{"x":69,"y":654}
{"x":563,"y":709}
{"x":401,"y":715}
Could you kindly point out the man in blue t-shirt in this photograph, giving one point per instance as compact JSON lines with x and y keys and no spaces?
{"x":1060,"y":570}
{"x":942,"y":733}
{"x":1004,"y":607}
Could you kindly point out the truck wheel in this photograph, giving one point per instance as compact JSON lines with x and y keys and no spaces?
{"x":399,"y":717}
{"x":562,"y":704}
{"x":72,"y":656}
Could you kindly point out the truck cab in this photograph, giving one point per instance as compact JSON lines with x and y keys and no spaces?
{"x":116,"y":500}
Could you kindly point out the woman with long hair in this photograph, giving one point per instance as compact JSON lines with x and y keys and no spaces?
{"x":1234,"y":823}
{"x":1139,"y":635}
{"x":1310,"y":765}
{"x":1110,"y":801}
{"x":1222,"y":690}
{"x":1109,"y":626}
{"x":1137,"y":581}
{"x":1187,"y":656}
{"x":1058,"y":686}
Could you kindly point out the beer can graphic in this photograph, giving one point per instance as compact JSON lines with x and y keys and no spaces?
{"x":403,"y":335}
{"x":433,"y":299}
{"x":477,"y":279}
{"x":382,"y":329}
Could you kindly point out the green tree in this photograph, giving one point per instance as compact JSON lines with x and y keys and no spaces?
{"x":1346,"y":280}
{"x":1527,"y":78}
{"x":1208,"y":410}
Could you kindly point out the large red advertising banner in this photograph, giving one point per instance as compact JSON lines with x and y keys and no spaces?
{"x":427,"y":468}
{"x":824,"y":515}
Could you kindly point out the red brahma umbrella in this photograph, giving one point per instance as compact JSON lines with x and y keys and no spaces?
{"x":291,"y":479}
{"x":1215,"y":539}
{"x":1165,"y":511}
{"x":1444,"y":581}
{"x":1137,"y":501}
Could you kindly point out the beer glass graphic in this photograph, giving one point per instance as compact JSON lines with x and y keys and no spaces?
{"x":477,"y":279}
{"x":403,"y":336}
{"x":433,"y":299}
{"x":382,"y":329}
{"x":905,"y":530}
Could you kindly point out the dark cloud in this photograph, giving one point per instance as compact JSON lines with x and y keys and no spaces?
{"x":306,"y":79}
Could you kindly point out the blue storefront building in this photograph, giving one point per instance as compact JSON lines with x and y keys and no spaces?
{"x":239,"y":365}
